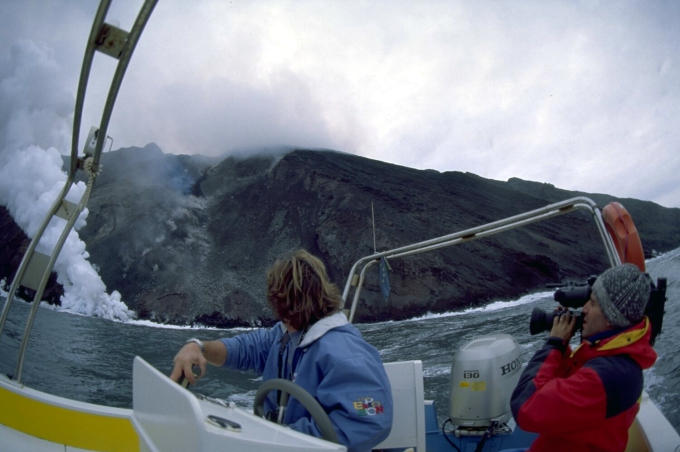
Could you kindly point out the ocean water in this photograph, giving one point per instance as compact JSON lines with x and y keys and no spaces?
{"x":90,"y":359}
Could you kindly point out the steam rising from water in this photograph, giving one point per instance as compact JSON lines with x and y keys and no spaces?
{"x":34,"y":131}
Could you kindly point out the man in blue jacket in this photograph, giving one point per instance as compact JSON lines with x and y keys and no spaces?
{"x":314,"y":346}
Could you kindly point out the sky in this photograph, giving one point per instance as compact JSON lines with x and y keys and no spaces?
{"x":584,"y":95}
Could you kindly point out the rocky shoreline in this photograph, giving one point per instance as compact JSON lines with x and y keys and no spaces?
{"x":187,"y":239}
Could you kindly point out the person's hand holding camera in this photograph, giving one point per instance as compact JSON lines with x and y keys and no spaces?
{"x":563,"y":326}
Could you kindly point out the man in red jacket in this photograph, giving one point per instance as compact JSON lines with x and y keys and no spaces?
{"x":586,"y":399}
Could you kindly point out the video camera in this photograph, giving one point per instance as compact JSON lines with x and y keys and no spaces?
{"x":575,"y":295}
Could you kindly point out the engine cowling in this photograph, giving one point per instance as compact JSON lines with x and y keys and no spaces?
{"x":483,"y":375}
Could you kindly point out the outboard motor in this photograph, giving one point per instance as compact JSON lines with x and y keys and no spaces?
{"x":483,"y":376}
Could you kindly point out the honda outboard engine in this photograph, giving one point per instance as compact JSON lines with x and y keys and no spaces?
{"x":483,"y":376}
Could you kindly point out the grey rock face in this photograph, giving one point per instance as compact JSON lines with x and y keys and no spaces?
{"x":188,"y":239}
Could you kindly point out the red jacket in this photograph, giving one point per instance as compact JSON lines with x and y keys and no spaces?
{"x":586,"y":399}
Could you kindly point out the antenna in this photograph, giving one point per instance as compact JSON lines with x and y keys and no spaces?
{"x":375,"y":250}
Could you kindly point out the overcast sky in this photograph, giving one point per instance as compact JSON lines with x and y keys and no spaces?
{"x":581,"y":94}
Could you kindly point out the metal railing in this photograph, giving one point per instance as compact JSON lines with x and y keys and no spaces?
{"x":35,"y":269}
{"x":485,"y":230}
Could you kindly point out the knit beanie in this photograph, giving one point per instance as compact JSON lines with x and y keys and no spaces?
{"x":622,"y":293}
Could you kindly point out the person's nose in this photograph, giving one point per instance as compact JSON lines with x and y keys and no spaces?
{"x":586,"y":307}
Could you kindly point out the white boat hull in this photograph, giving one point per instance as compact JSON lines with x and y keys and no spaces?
{"x":166,"y":417}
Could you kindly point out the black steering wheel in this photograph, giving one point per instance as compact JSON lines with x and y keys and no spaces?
{"x":287,"y":388}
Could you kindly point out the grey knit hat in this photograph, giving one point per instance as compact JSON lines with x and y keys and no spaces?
{"x":622,"y":293}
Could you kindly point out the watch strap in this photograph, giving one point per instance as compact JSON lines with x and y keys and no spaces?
{"x":197,"y":342}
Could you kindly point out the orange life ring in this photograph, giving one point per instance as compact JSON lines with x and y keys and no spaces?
{"x":624,"y":234}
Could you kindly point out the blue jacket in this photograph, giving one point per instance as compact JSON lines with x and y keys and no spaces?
{"x":335,"y":365}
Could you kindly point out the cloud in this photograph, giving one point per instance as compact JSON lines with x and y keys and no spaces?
{"x":584,"y":95}
{"x":220,"y":115}
{"x":34,"y":108}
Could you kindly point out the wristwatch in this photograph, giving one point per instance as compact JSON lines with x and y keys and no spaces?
{"x":198,"y":342}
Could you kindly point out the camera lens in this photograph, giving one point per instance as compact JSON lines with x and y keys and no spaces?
{"x":539,"y":321}
{"x":543,"y":321}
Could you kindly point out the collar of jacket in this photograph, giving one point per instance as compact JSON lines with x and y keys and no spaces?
{"x":323,"y":326}
{"x":630,"y":336}
{"x":623,"y":339}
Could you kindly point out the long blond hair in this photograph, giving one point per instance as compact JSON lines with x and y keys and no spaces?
{"x":299,"y":291}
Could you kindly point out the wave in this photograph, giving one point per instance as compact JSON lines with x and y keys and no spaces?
{"x":665,"y":257}
{"x":152,"y":324}
{"x":132,"y":322}
{"x":490,"y":307}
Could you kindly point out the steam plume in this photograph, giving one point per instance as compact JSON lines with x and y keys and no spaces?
{"x":35,"y":119}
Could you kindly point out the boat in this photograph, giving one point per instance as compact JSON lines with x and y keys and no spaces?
{"x":165,"y":416}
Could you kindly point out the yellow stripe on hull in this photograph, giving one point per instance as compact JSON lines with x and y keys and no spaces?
{"x":78,"y":425}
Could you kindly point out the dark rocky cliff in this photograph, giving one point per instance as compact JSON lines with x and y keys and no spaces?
{"x":186,"y":238}
{"x":14,"y":244}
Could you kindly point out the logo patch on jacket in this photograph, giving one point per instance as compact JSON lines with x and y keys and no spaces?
{"x":367,"y":406}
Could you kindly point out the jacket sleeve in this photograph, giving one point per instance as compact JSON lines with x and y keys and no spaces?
{"x":356,"y":394}
{"x":545,"y":401}
{"x":249,"y":351}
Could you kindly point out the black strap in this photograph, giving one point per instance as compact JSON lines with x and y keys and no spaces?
{"x":282,"y":347}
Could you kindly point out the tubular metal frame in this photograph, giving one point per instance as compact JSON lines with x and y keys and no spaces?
{"x":89,"y":163}
{"x":485,"y":230}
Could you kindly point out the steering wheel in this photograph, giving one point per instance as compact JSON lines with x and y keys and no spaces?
{"x":287,"y":388}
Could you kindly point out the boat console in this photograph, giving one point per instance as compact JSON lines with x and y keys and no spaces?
{"x":168,"y":417}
